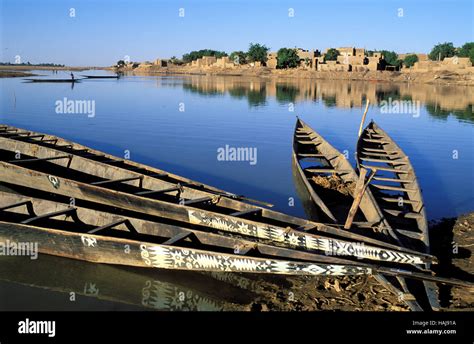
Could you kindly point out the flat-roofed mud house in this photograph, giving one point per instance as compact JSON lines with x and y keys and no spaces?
{"x":205,"y":61}
{"x":160,"y":63}
{"x":352,"y":59}
{"x":307,"y":58}
{"x":454,"y":64}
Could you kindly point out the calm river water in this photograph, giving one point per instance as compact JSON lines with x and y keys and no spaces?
{"x":178,"y":123}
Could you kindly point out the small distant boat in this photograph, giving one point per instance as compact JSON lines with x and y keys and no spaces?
{"x":101,"y":76}
{"x":53,"y":80}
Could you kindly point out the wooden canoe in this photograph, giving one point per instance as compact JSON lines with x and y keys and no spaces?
{"x":115,"y":201}
{"x":79,"y":233}
{"x":54,"y":80}
{"x":81,"y":245}
{"x":314,"y":157}
{"x":325,"y":160}
{"x":101,"y":76}
{"x":25,"y":208}
{"x":110,"y":180}
{"x":397,"y":191}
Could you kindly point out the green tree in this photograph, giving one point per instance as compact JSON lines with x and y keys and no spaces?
{"x":467,"y":50}
{"x":410,"y":60}
{"x":120,"y":63}
{"x":238,"y":57}
{"x":257,"y":53}
{"x":391,"y":58}
{"x":287,"y":58}
{"x":331,"y":55}
{"x":197,"y":54}
{"x":174,"y":60}
{"x":442,"y":50}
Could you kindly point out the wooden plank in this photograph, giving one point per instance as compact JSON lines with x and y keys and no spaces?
{"x":179,"y":237}
{"x":52,"y":214}
{"x":151,"y":192}
{"x":381,"y":142}
{"x":393,"y":188}
{"x":392,"y":162}
{"x":400,"y":213}
{"x":397,"y":200}
{"x":394,"y":180}
{"x":121,"y":180}
{"x":247,"y":212}
{"x":380,"y":150}
{"x":107,"y":226}
{"x":378,"y":154}
{"x":383,"y":168}
{"x":15,"y":161}
{"x":15,"y":205}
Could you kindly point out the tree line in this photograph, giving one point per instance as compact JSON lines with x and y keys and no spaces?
{"x":288,"y":57}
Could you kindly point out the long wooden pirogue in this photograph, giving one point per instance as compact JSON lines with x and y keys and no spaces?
{"x":315,"y":158}
{"x":397,"y":191}
{"x":104,"y":183}
{"x":97,"y":236}
{"x":309,"y":145}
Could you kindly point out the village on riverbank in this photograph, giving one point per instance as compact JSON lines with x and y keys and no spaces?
{"x":444,"y":64}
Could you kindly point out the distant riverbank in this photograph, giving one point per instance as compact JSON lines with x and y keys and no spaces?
{"x":14,"y":73}
{"x":465,"y":78}
{"x":33,"y":67}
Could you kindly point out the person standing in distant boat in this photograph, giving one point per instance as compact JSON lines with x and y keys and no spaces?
{"x":72,"y":76}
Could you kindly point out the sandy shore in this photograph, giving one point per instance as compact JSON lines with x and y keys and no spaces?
{"x":462,"y":78}
{"x":364,"y":293}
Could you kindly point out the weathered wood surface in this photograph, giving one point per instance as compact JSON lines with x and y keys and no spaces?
{"x":118,"y":251}
{"x":31,"y":207}
{"x":76,"y":149}
{"x":283,"y":236}
{"x":391,"y":159}
{"x":343,"y":169}
{"x":118,"y":174}
{"x":367,"y":202}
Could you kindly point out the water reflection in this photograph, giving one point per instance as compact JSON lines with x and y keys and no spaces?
{"x":440,"y":101}
{"x":141,"y":288}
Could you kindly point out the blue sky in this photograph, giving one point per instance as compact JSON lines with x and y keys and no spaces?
{"x":103,"y":32}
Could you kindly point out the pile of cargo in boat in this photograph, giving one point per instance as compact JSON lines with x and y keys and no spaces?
{"x":84,"y":204}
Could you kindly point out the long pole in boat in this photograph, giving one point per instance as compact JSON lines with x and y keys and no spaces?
{"x":359,"y":191}
{"x":363,"y":117}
